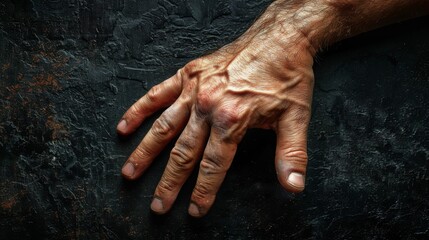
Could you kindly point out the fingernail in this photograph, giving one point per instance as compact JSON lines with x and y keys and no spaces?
{"x":128,"y":169}
{"x":122,"y":126}
{"x":157,"y":205}
{"x":296,"y":180}
{"x":193,"y":210}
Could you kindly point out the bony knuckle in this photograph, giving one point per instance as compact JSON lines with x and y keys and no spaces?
{"x":191,"y":66}
{"x":211,"y":165}
{"x":204,"y":102}
{"x":152,"y":95}
{"x":181,"y":158}
{"x":227,"y":116}
{"x":162,"y":127}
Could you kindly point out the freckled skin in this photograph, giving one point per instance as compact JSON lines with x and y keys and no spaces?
{"x":262,"y":80}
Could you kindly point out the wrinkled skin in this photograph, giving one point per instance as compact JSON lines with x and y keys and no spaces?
{"x":262,"y":80}
{"x":212,"y":101}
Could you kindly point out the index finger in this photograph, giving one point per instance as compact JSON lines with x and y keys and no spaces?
{"x":159,"y":96}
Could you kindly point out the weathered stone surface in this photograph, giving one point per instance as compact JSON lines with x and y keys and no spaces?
{"x":69,"y":69}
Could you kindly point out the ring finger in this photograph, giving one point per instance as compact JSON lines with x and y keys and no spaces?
{"x":163,"y":130}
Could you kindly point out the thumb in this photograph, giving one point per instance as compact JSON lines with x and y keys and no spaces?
{"x":291,"y":151}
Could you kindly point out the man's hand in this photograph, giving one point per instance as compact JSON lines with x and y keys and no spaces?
{"x":262,"y":80}
{"x":251,"y":83}
{"x":214,"y":100}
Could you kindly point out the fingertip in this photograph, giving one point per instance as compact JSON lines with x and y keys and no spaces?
{"x":291,"y":177}
{"x":194,"y":211}
{"x":128,"y":171}
{"x":296,"y":181}
{"x":122,"y":127}
{"x":157,"y":206}
{"x":293,"y":182}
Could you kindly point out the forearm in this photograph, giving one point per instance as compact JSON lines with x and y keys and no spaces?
{"x":323,"y":22}
{"x":341,"y":19}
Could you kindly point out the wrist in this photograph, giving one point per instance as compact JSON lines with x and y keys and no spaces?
{"x":295,"y":28}
{"x":289,"y":25}
{"x":312,"y":19}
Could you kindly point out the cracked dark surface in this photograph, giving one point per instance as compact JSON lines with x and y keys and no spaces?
{"x":69,"y":69}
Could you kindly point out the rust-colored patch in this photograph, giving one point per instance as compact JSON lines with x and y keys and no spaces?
{"x":9,"y":203}
{"x":5,"y":67}
{"x":13,"y":89}
{"x":40,"y":83}
{"x":57,"y":60}
{"x":43,"y":80}
{"x":59,"y":131}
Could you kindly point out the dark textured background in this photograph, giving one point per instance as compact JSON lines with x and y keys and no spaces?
{"x":70,"y":68}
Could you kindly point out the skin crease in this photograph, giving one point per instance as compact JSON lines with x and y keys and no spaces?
{"x":264,"y":79}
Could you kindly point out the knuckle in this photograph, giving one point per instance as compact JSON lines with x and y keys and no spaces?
{"x":296,"y":156}
{"x":134,"y":111}
{"x":204,"y":103}
{"x":211,"y":165}
{"x":226,"y":117}
{"x":162,"y":127}
{"x":166,"y":185}
{"x":141,"y":153}
{"x":190,"y":67}
{"x":186,"y":142}
{"x":153,"y":93}
{"x":180,"y":73}
{"x":181,"y":158}
{"x":201,"y":191}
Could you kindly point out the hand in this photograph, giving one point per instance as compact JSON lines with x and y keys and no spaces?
{"x":262,"y":80}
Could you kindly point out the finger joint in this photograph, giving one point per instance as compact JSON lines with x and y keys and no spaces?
{"x":153,"y":94}
{"x":202,"y":191}
{"x":142,"y":153}
{"x":162,"y":128}
{"x":296,"y":156}
{"x":181,"y":158}
{"x":167,"y":184}
{"x":211,"y":165}
{"x":226,"y":117}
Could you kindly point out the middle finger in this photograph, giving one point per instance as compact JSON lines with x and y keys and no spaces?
{"x":183,"y":158}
